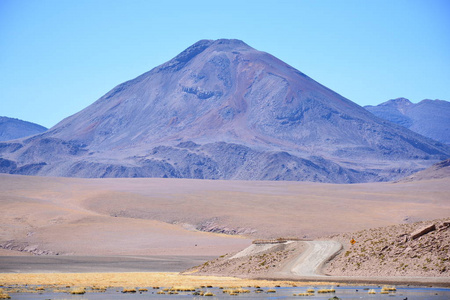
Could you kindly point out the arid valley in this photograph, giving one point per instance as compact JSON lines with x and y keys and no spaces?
{"x":128,"y":225}
{"x":44,"y":215}
{"x":175,"y":150}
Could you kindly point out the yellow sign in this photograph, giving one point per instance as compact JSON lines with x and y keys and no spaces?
{"x":352,"y":241}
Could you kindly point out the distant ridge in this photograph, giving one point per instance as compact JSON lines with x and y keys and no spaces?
{"x":11,"y":128}
{"x":437,"y":171}
{"x":430,"y":118}
{"x":224,"y":110}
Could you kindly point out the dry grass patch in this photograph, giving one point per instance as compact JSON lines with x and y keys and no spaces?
{"x":4,"y":295}
{"x":78,"y":291}
{"x":129,"y":290}
{"x":389,"y":288}
{"x":137,"y":279}
{"x":326,"y":291}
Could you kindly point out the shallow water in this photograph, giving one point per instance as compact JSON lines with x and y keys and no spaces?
{"x":353,"y":292}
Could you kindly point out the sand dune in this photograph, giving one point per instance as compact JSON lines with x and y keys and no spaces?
{"x":45,"y":215}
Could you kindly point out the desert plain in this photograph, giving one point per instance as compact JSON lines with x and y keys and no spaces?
{"x":195,"y":219}
{"x":68,"y":216}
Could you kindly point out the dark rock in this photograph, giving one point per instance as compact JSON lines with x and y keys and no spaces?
{"x":422,"y":231}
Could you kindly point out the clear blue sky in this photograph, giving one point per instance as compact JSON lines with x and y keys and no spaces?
{"x":59,"y":56}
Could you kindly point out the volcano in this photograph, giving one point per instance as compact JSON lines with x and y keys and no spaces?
{"x":223,"y":110}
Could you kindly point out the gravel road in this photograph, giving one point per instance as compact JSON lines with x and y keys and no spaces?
{"x":310,"y":262}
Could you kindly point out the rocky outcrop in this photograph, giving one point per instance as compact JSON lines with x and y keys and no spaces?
{"x":212,"y":226}
{"x":24,"y":247}
{"x":422,"y":231}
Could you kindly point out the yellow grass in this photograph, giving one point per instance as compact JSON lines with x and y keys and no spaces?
{"x":137,"y":279}
{"x":388,"y":288}
{"x":78,"y":291}
{"x":4,"y":295}
{"x":129,"y":290}
{"x":236,"y":291}
{"x":325,"y":291}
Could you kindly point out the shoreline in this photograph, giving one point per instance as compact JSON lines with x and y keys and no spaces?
{"x":358,"y":280}
{"x":170,"y":279}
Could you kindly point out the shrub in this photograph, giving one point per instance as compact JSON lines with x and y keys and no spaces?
{"x":78,"y":291}
{"x":4,"y":295}
{"x":129,"y":290}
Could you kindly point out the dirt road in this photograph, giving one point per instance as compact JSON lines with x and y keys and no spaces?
{"x":312,"y":259}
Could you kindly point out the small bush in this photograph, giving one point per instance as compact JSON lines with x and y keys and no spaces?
{"x":78,"y":291}
{"x":129,"y":290}
{"x":4,"y":295}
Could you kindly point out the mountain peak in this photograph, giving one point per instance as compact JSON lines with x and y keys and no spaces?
{"x":401,"y":104}
{"x":397,"y":101}
{"x":232,"y":43}
{"x":191,"y":52}
{"x":223,"y":110}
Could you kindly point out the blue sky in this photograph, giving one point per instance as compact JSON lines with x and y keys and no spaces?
{"x":59,"y":56}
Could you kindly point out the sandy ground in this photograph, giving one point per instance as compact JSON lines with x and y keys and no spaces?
{"x":44,"y":215}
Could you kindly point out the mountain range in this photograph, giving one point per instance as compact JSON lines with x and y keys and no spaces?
{"x":11,"y":128}
{"x":430,"y":118}
{"x":224,"y":110}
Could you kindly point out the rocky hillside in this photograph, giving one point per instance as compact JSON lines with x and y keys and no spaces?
{"x":11,"y":129}
{"x":224,"y":110}
{"x":414,"y":250}
{"x":256,"y":261}
{"x":436,"y":171}
{"x":418,"y":249}
{"x":429,"y":118}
